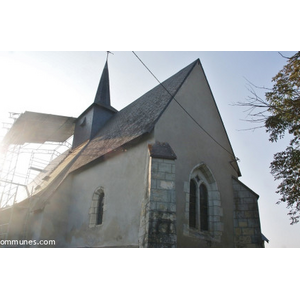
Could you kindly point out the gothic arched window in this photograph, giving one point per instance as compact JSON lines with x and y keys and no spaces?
{"x":203,"y":207}
{"x":96,"y":209}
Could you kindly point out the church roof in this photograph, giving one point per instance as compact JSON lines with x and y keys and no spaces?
{"x":134,"y":120}
{"x":130,"y":123}
{"x":53,"y":178}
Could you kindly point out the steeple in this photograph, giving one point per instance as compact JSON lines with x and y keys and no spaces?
{"x":103,"y":93}
{"x":97,"y":114}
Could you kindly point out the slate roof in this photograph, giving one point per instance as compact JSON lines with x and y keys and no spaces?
{"x":103,"y":92}
{"x":162,"y":150}
{"x":54,"y":178}
{"x":133,"y":121}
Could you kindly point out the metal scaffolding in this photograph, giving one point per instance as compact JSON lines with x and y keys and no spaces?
{"x":20,"y":166}
{"x":28,"y":151}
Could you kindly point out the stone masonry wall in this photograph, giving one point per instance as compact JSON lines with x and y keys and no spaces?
{"x":162,"y":208}
{"x":246,"y":217}
{"x":158,"y":215}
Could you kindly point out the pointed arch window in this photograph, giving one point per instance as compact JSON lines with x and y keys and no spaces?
{"x":198,"y":205}
{"x":97,"y":208}
{"x":203,"y":206}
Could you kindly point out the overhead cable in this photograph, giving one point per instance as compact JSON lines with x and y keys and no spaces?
{"x":182,"y":106}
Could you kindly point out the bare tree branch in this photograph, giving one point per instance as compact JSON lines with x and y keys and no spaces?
{"x":284,"y":56}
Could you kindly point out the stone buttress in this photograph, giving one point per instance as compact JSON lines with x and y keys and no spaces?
{"x":159,"y":213}
{"x":246,"y":217}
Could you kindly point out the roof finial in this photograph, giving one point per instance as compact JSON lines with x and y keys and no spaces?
{"x":108,"y":52}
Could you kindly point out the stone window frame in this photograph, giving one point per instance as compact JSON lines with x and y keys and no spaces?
{"x":95,"y":205}
{"x":201,"y":174}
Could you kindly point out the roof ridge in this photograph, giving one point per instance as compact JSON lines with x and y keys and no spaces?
{"x":192,"y":65}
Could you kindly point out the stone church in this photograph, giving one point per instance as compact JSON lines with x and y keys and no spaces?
{"x":159,"y":173}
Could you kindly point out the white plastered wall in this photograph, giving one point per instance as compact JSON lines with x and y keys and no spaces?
{"x":123,"y":178}
{"x":193,"y":146}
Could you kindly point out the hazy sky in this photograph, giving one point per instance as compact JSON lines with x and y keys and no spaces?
{"x":65,"y":83}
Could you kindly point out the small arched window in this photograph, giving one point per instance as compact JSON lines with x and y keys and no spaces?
{"x":100,"y":208}
{"x":97,"y":208}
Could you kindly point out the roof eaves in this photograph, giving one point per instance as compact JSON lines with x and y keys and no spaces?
{"x":121,"y":147}
{"x":264,"y":238}
{"x":109,"y":108}
{"x":43,"y":195}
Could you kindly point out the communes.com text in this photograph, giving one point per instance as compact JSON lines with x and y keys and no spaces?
{"x":16,"y":243}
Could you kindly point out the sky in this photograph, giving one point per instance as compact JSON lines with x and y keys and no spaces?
{"x":65,"y":83}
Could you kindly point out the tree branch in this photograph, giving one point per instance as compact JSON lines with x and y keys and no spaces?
{"x":284,"y":56}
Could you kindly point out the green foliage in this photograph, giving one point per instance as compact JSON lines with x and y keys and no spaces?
{"x":283,"y":102}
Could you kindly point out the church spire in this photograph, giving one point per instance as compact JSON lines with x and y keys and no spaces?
{"x":103,"y":94}
{"x":97,"y":114}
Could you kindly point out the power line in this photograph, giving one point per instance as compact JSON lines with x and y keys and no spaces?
{"x":182,"y":106}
